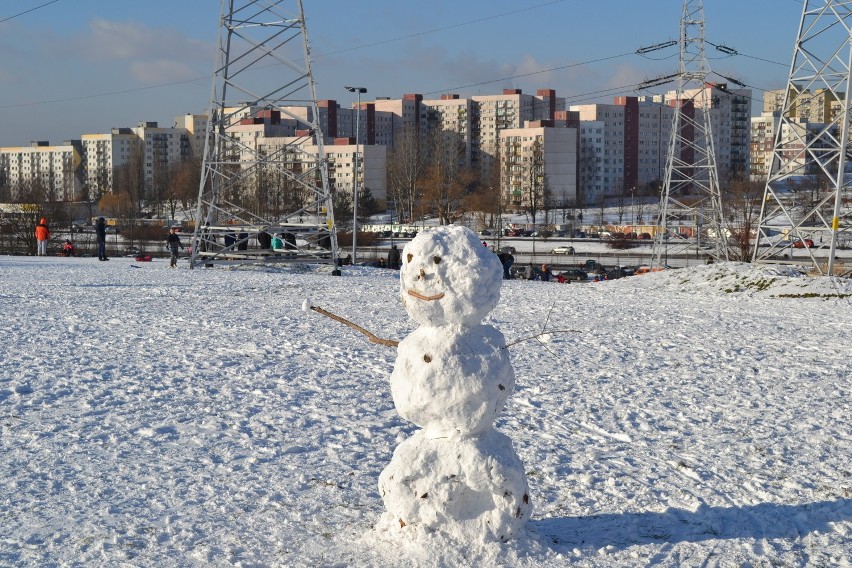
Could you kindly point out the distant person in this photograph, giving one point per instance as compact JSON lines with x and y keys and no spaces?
{"x":507,"y":260}
{"x":242,"y":243}
{"x":173,"y":243}
{"x":290,"y":241}
{"x":42,"y":235}
{"x":277,"y":242}
{"x":545,"y":273}
{"x":393,"y":258}
{"x":100,"y":235}
{"x":68,"y":248}
{"x":264,"y":239}
{"x":529,"y":272}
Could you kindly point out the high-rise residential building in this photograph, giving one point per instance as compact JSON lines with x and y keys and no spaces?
{"x":477,"y":120}
{"x":102,"y":154}
{"x":340,"y":154}
{"x":404,"y":114}
{"x":539,"y":165}
{"x":623,"y":147}
{"x":764,"y":130}
{"x":159,"y":149}
{"x":730,"y":122}
{"x":147,"y":148}
{"x":196,"y":126}
{"x":53,"y":172}
{"x":819,"y":106}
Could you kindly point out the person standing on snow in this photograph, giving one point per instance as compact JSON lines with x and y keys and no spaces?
{"x":393,"y":258}
{"x":100,"y":234}
{"x":172,"y":243}
{"x":42,"y":235}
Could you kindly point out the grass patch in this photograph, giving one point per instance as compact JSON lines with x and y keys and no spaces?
{"x":813,"y":295}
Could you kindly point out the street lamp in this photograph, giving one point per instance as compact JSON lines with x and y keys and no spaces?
{"x":358,"y":90}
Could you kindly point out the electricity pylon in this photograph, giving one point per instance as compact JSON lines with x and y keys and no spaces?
{"x":264,"y":170}
{"x":803,"y":198}
{"x":691,"y":185}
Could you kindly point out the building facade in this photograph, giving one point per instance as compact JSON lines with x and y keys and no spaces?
{"x":54,"y":172}
{"x":539,"y":166}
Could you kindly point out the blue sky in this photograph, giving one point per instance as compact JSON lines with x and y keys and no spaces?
{"x":70,"y":67}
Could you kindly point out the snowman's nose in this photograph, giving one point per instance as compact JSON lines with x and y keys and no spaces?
{"x":422,"y":273}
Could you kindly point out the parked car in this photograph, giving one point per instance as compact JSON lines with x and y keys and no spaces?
{"x":562,"y":250}
{"x":579,"y":235}
{"x":592,"y":265}
{"x":574,"y":274}
{"x":619,"y":272}
{"x":803,"y":243}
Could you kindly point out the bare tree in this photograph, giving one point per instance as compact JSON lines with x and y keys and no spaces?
{"x":486,"y":200}
{"x":183,"y":185}
{"x":535,"y":185}
{"x":446,"y":182}
{"x":405,"y":165}
{"x":621,"y":207}
{"x":742,"y":205}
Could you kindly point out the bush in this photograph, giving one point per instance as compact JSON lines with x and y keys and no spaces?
{"x":620,"y":243}
{"x":365,"y":239}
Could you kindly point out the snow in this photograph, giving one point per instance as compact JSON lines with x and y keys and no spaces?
{"x":157,"y":417}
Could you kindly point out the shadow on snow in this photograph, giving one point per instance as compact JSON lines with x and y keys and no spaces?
{"x":762,"y":521}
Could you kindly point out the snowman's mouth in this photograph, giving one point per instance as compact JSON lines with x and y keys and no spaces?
{"x":420,"y":296}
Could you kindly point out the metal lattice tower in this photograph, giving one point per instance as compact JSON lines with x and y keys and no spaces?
{"x":807,"y":181}
{"x":691,"y":185}
{"x":263,"y":80}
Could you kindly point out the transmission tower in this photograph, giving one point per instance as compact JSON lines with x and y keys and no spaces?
{"x":807,"y":182}
{"x":264,"y":170}
{"x":690,"y":200}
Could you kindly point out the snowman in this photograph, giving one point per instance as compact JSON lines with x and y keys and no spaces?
{"x":452,"y":376}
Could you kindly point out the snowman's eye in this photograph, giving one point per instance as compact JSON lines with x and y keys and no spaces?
{"x":436,"y":259}
{"x":410,"y":256}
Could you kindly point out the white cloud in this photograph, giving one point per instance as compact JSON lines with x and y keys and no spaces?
{"x":161,"y":71}
{"x":131,"y":40}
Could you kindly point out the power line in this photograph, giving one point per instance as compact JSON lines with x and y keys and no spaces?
{"x":531,"y":73}
{"x":28,"y":11}
{"x":641,"y":52}
{"x":436,"y":30}
{"x":104,"y":94}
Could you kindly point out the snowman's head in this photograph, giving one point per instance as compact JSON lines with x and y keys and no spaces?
{"x":449,"y":277}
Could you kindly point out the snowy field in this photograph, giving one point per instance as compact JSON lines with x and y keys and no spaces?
{"x":156,"y":417}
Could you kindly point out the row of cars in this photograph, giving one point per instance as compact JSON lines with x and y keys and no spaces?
{"x":590,"y":270}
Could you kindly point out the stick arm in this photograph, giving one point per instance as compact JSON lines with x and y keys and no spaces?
{"x":371,"y":336}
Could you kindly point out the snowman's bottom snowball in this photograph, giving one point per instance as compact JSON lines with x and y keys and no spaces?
{"x":472,"y":489}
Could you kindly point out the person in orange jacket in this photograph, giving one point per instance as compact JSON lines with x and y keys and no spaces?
{"x":42,"y":235}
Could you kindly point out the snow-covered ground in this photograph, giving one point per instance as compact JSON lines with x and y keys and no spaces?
{"x":156,"y":417}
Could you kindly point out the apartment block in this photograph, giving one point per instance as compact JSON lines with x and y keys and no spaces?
{"x":730,"y":122}
{"x":819,"y":106}
{"x":623,"y":147}
{"x":160,"y":147}
{"x":340,"y":155}
{"x":54,"y":171}
{"x":539,"y":165}
{"x":793,"y":136}
{"x":102,"y":154}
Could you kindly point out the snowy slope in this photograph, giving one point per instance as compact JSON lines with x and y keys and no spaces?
{"x":156,"y":417}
